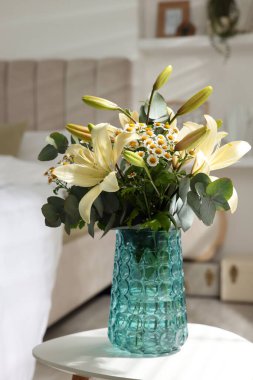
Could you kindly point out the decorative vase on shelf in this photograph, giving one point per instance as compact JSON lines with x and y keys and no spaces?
{"x":148,"y":311}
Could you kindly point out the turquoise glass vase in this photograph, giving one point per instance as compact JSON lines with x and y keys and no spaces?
{"x":148,"y":311}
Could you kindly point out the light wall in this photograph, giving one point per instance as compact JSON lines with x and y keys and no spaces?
{"x":68,"y":29}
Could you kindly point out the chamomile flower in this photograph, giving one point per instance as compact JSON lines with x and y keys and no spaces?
{"x":133,"y":144}
{"x":170,"y":137}
{"x":167,"y":155}
{"x":148,"y":142}
{"x":141,"y":153}
{"x":152,"y":160}
{"x":132,"y":175}
{"x":129,"y":128}
{"x":158,"y":151}
{"x":160,"y":137}
{"x":166,"y":126}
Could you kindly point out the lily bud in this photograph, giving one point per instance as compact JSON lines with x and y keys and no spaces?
{"x":195,"y":101}
{"x":162,"y":78}
{"x":193,"y":139}
{"x":100,"y":103}
{"x":134,"y":159}
{"x":79,"y":131}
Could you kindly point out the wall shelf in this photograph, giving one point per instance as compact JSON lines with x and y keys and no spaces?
{"x":191,"y":42}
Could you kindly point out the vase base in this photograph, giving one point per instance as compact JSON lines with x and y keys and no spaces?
{"x":138,"y":349}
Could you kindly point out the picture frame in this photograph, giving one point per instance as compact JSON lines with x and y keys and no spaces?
{"x":171,"y":15}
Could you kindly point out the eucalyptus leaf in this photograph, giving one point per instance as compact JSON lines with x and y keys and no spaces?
{"x":202,"y":178}
{"x":52,"y":217}
{"x":194,"y":202}
{"x":158,"y":107}
{"x":71,"y":205}
{"x":221,"y":203}
{"x":221,"y":187}
{"x":110,"y":224}
{"x":184,"y":187}
{"x":142,"y":114}
{"x":60,"y":140}
{"x":48,"y":153}
{"x":186,"y":216}
{"x":207,"y":211}
{"x":57,"y":202}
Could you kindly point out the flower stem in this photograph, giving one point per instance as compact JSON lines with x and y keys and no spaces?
{"x":149,"y":105}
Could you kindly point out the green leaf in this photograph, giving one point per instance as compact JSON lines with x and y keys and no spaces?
{"x":153,"y":224}
{"x":132,"y":216}
{"x":165,"y":177}
{"x":202,"y":178}
{"x":185,"y":216}
{"x":142,"y":114}
{"x":194,"y":202}
{"x":71,"y":208}
{"x":93,"y":219}
{"x":221,"y":187}
{"x":57,"y":202}
{"x":200,"y":188}
{"x":61,"y":141}
{"x":110,"y":224}
{"x":221,"y":203}
{"x":98,"y":204}
{"x":207,"y":211}
{"x":158,"y":107}
{"x":48,"y":153}
{"x":164,"y":220}
{"x":184,"y":187}
{"x":52,"y":218}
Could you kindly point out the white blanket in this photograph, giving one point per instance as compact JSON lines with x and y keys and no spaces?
{"x":29,"y":253}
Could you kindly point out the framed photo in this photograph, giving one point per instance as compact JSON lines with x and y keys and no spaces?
{"x":171,"y":15}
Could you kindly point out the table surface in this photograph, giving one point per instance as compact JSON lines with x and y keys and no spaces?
{"x":209,"y":353}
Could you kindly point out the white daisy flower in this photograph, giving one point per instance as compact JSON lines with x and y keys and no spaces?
{"x":152,"y":160}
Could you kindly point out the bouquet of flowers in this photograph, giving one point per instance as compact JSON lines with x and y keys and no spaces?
{"x":149,"y":173}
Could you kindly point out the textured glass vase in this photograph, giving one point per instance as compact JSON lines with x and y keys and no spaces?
{"x":148,"y":312}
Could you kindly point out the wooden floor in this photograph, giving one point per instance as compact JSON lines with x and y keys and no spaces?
{"x":234,"y":317}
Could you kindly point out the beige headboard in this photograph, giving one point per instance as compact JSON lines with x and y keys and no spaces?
{"x":47,"y":94}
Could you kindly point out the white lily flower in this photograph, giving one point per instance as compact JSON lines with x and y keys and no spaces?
{"x":94,"y":168}
{"x":210,"y":156}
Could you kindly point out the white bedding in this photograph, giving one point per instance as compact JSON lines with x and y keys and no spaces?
{"x":29,"y":253}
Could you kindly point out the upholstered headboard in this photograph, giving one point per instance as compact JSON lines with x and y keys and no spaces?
{"x":47,"y":94}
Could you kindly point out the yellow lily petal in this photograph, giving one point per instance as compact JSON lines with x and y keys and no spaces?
{"x":221,"y":136}
{"x":81,"y":154}
{"x":125,"y":120}
{"x":122,"y":140}
{"x":228,"y":154}
{"x":233,"y":201}
{"x":171,"y":113}
{"x":207,"y":146}
{"x":87,"y":202}
{"x":200,"y":164}
{"x":109,"y":184}
{"x":79,"y":175}
{"x":102,"y":146}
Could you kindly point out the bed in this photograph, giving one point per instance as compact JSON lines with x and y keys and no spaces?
{"x":44,"y":273}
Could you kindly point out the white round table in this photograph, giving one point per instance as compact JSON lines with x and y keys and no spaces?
{"x":210,"y":353}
